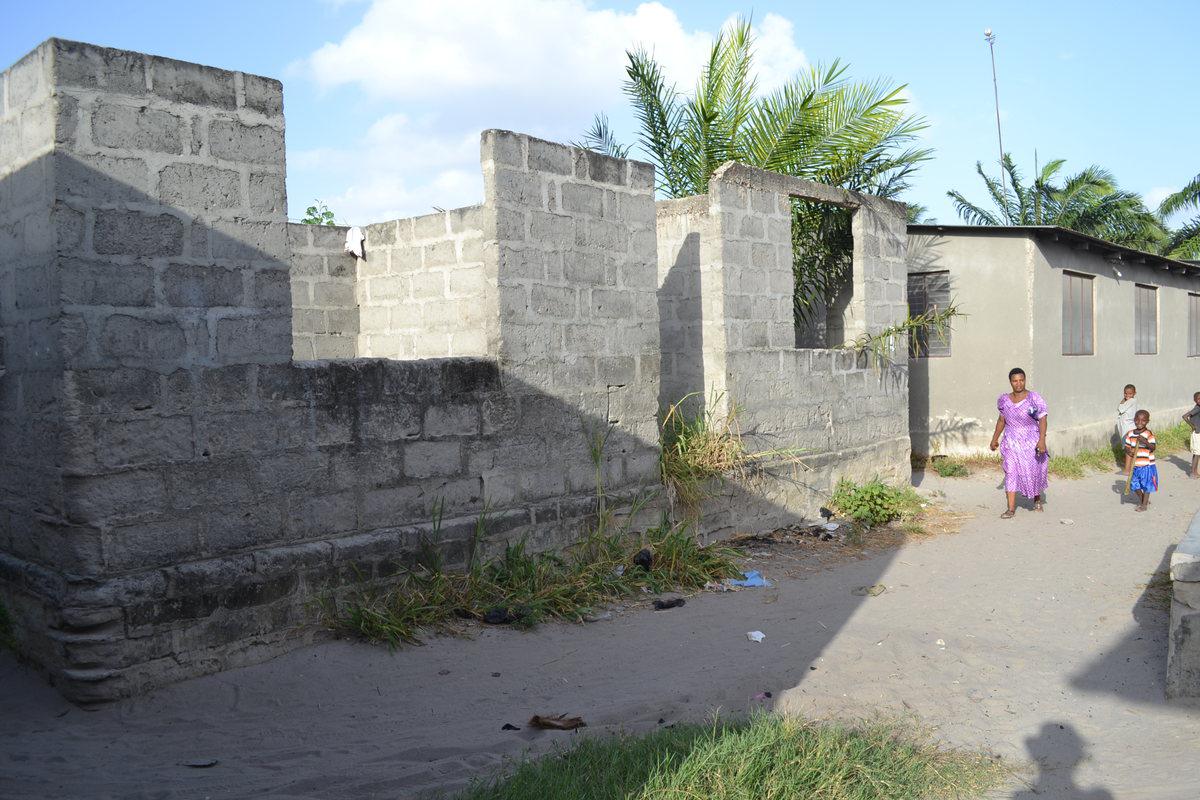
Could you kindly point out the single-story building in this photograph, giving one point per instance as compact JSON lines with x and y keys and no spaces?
{"x":1082,"y":316}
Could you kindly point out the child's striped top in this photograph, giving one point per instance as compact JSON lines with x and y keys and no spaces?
{"x":1144,"y":456}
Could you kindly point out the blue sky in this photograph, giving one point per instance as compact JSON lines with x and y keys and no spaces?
{"x":385,"y":98}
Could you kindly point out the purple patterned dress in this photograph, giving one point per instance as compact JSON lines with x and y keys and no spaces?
{"x":1024,"y":468}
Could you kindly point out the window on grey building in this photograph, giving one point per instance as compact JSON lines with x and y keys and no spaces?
{"x":1145,"y":320}
{"x":1077,"y":325}
{"x":928,"y":291}
{"x":1193,"y":324}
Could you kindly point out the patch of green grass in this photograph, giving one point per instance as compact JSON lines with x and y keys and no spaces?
{"x":950,"y":468}
{"x":766,"y":756}
{"x":700,"y":446}
{"x":874,"y":503}
{"x":534,"y":587}
{"x":1103,"y":459}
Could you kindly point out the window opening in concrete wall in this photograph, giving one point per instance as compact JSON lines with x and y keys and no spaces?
{"x":1078,"y":338}
{"x":1193,"y":325}
{"x":1145,"y":315}
{"x":822,"y":253}
{"x":928,"y":291}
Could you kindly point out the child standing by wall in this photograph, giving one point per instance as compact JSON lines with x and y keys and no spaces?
{"x":1140,"y":445}
{"x":1193,"y":418}
{"x":1125,"y":411}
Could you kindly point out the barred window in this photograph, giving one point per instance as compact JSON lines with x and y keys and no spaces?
{"x":1145,"y":320}
{"x":1077,"y":319}
{"x":1193,"y":324}
{"x":928,"y":291}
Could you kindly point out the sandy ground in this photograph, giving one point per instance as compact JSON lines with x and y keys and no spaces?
{"x":1030,"y":638}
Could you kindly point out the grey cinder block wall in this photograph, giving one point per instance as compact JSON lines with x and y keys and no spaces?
{"x":725,"y":295}
{"x":211,"y":417}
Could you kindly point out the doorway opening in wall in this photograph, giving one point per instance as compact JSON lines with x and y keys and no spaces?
{"x":822,"y":258}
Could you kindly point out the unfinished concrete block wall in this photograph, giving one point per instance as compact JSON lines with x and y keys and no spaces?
{"x":726,"y":269}
{"x":324,"y":277}
{"x":31,"y":226}
{"x":573,"y":234}
{"x":423,"y":290}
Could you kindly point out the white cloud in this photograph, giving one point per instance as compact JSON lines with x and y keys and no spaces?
{"x":565,"y":51}
{"x":461,"y":66}
{"x":399,"y":167}
{"x":1157,"y":194}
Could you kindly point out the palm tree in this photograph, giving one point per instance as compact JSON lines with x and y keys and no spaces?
{"x":1185,"y":241}
{"x":819,"y":126}
{"x":1089,"y":202}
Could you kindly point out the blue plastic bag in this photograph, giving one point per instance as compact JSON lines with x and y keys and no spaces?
{"x":750,"y":579}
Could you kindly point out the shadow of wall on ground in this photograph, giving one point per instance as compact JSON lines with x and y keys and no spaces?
{"x":1135,"y":669}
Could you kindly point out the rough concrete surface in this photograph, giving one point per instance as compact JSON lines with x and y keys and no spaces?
{"x":1052,"y":655}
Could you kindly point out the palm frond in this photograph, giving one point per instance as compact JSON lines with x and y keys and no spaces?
{"x":600,"y":139}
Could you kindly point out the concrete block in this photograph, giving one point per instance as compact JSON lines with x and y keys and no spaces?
{"x":104,"y":391}
{"x":452,"y":420}
{"x":86,"y":66}
{"x":145,"y":442}
{"x":550,"y":157}
{"x":202,"y":287}
{"x":135,"y":338}
{"x":264,"y":95}
{"x":272,"y":289}
{"x":582,"y":199}
{"x":122,"y":495}
{"x":133,"y":233}
{"x":240,"y":240}
{"x":98,"y":283}
{"x":192,"y":187}
{"x":605,"y":169}
{"x":137,"y":128}
{"x":265,"y":338}
{"x":612,"y":304}
{"x":390,"y":422}
{"x":183,"y":82}
{"x":560,"y":302}
{"x":233,"y":140}
{"x":466,"y":219}
{"x":431,"y":459}
{"x":517,"y":188}
{"x":502,"y":147}
{"x":430,"y":226}
{"x":101,"y":178}
{"x":268,"y":192}
{"x":439,"y":254}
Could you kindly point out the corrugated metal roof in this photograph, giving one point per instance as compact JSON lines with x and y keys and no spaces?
{"x":1078,"y":240}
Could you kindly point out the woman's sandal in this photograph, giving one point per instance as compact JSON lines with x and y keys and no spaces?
{"x":1008,"y":515}
{"x":1038,"y":506}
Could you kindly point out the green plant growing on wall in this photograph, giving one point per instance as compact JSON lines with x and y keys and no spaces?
{"x":699,"y":446}
{"x":318,"y":214}
{"x":884,"y":347}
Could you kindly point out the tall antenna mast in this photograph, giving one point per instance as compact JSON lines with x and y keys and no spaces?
{"x":991,"y":40}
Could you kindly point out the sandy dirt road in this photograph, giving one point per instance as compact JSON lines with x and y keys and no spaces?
{"x":1051,"y":653}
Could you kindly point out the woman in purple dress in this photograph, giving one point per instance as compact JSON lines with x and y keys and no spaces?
{"x":1023,"y":422}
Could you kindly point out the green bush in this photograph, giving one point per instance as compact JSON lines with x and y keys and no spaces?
{"x":949,"y":468}
{"x":873,"y":503}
